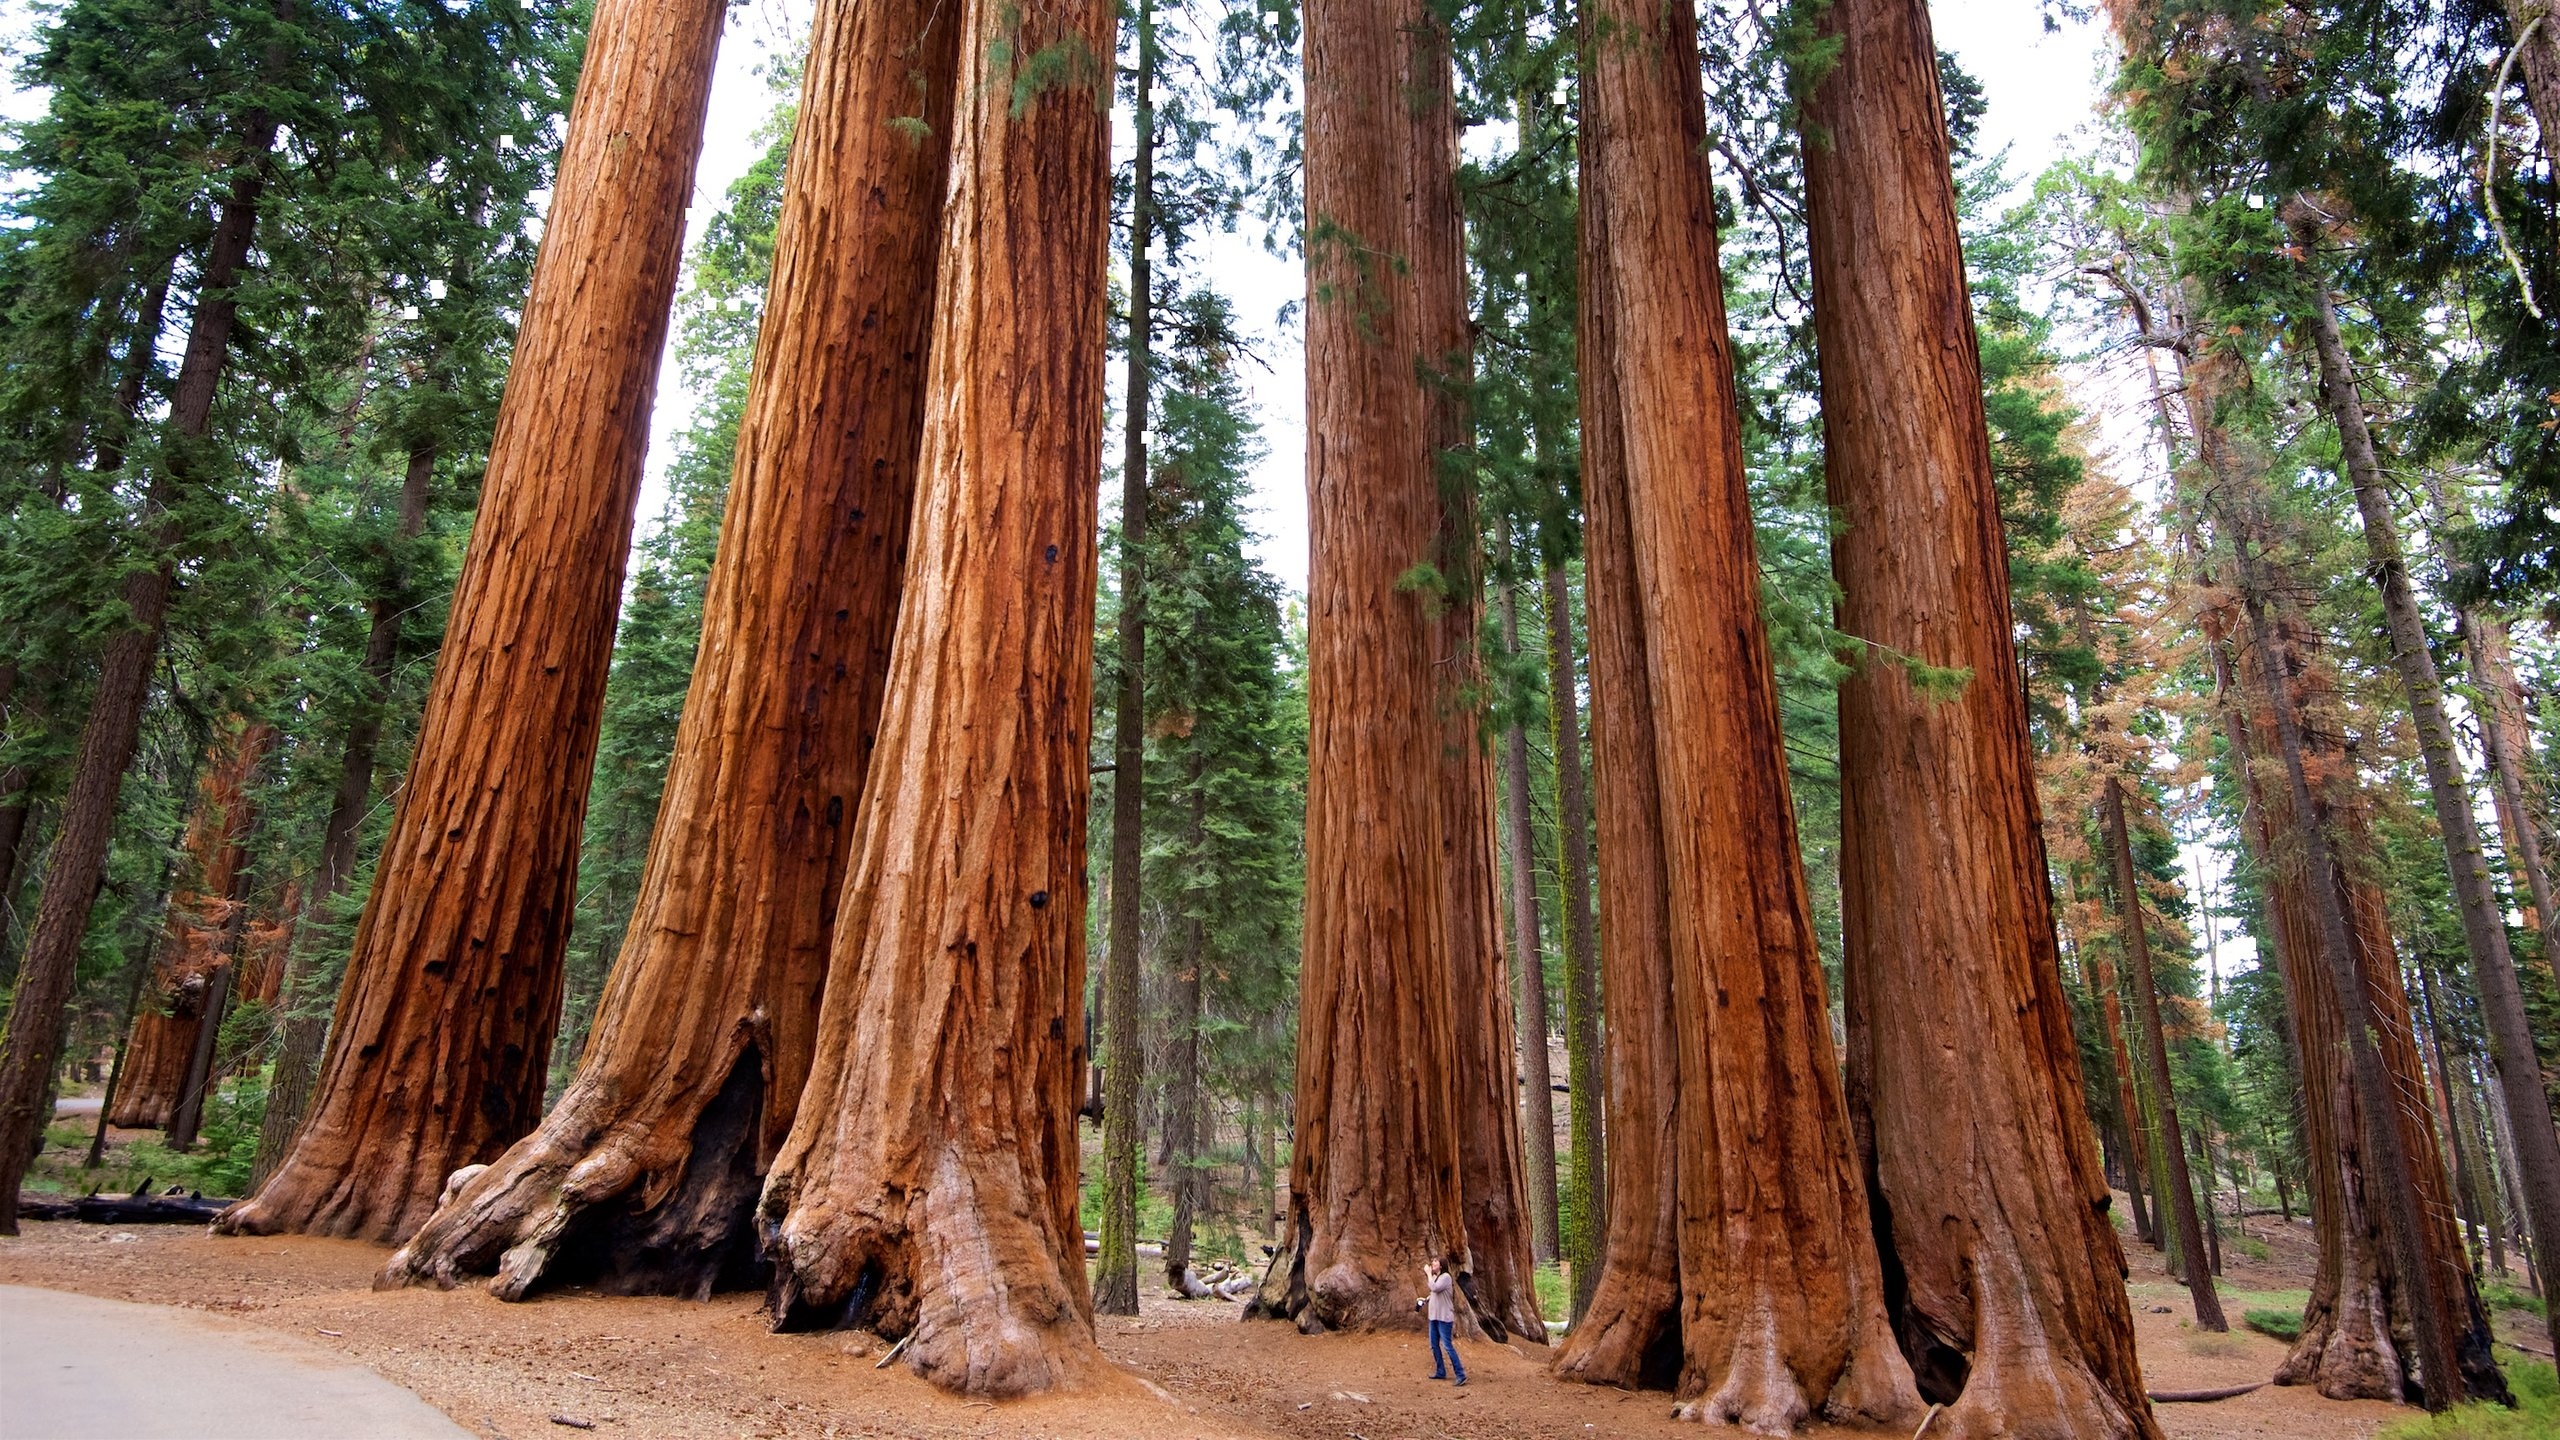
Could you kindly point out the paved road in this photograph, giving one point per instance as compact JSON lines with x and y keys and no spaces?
{"x":74,"y":1368}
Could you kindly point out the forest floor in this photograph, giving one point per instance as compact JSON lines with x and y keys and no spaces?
{"x":677,"y":1369}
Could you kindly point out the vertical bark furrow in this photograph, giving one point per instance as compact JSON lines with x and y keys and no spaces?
{"x":437,"y":1056}
{"x":928,"y":1186}
{"x":1963,"y":1068}
{"x":726,"y":959}
{"x":1374,"y":1173}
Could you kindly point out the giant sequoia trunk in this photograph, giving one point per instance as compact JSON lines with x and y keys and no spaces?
{"x":928,"y":1186}
{"x":1964,"y":1075}
{"x":1485,"y":1073}
{"x":1782,"y":1312}
{"x":645,"y":1175}
{"x":1629,"y":1332}
{"x":438,"y":1051}
{"x":47,"y":971}
{"x":175,"y":1001}
{"x":2358,"y":1339}
{"x":2484,"y":923}
{"x":2537,"y":58}
{"x":1374,"y":1184}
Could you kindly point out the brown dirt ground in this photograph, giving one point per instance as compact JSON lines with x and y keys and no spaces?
{"x":676,"y":1369}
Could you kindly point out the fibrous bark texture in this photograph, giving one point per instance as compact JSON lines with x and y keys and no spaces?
{"x":1782,"y":1298}
{"x":2356,"y":1340}
{"x":191,"y":945}
{"x":2484,"y":922}
{"x":928,"y":1185}
{"x":1374,"y":1171}
{"x":1501,"y":1279}
{"x":437,"y":1054}
{"x":1629,"y":1333}
{"x":2004,"y":1275}
{"x":644,"y":1177}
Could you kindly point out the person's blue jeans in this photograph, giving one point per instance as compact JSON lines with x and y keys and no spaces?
{"x":1444,"y":1340}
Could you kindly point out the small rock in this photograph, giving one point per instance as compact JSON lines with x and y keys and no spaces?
{"x":2160,"y":1310}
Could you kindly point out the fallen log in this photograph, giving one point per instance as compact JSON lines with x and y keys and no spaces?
{"x":135,"y":1209}
{"x":2203,"y":1397}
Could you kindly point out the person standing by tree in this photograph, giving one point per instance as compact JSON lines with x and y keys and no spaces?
{"x":1442,"y":1309}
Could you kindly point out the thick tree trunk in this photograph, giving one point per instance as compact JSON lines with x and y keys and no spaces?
{"x":928,"y":1187}
{"x":1485,"y":1077}
{"x":2484,"y":926}
{"x":1123,"y":1047}
{"x":436,"y":1057}
{"x":2426,"y":1276}
{"x":1630,"y":1332}
{"x":1528,"y":965}
{"x":2155,"y":1055}
{"x":1964,"y":1074}
{"x":1587,"y":1185}
{"x":645,"y":1176}
{"x":1374,"y":1187}
{"x":305,"y":1028}
{"x":1783,"y":1306}
{"x":114,"y":727}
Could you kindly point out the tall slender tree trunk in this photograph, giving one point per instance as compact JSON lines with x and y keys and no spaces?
{"x":1501,"y":1281}
{"x":1587,"y":1185}
{"x":928,"y":1187}
{"x":306,"y":1027}
{"x":645,"y":1176}
{"x":1528,"y":949}
{"x":1964,"y":1074}
{"x":2155,"y":1048}
{"x":1187,"y":1132}
{"x":114,"y":726}
{"x":2505,"y":726}
{"x":2466,"y":1172}
{"x":2137,"y":1150}
{"x":1630,"y":1332}
{"x":2484,"y":927}
{"x":436,"y":1057}
{"x":1123,"y":1047}
{"x":1374,"y":1169}
{"x":1782,"y":1299}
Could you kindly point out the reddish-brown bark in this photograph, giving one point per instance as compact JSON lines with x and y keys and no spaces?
{"x":645,"y":1175}
{"x":1501,"y":1279}
{"x":2005,"y":1275}
{"x":928,"y":1186}
{"x":1782,"y":1299}
{"x":438,"y":1051}
{"x":1374,"y":1174}
{"x":2356,"y":1340}
{"x":193,"y":934}
{"x":1629,"y":1334}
